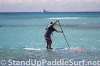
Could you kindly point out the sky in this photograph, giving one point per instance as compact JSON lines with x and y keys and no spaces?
{"x":49,"y":5}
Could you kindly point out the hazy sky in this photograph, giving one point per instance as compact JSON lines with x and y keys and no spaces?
{"x":50,"y":5}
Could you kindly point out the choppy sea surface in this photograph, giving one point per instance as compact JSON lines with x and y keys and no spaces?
{"x":26,"y":30}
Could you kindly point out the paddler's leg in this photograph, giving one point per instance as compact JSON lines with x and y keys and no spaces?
{"x":50,"y":46}
{"x":49,"y":42}
{"x":47,"y":46}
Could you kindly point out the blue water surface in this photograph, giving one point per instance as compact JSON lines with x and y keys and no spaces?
{"x":26,"y":30}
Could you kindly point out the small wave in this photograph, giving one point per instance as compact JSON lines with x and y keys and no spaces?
{"x":81,"y":26}
{"x":63,"y":18}
{"x":20,"y":25}
{"x":77,"y":26}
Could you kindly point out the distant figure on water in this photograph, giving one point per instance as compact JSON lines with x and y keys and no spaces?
{"x":48,"y":33}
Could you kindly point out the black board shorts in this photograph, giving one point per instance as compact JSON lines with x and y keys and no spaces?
{"x":48,"y":40}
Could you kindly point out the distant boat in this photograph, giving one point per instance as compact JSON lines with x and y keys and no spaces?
{"x":44,"y":10}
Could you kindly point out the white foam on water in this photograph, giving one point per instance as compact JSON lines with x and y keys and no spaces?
{"x":32,"y":48}
{"x":63,"y":18}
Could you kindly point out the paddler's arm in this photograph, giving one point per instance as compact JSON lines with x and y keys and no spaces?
{"x":55,"y":22}
{"x":55,"y":29}
{"x":59,"y":31}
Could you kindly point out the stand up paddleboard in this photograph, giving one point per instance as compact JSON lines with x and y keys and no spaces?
{"x":73,"y":49}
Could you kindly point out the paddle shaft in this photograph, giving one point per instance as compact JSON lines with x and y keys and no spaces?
{"x":64,"y":35}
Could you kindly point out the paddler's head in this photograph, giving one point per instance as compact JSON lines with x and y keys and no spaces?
{"x":52,"y":23}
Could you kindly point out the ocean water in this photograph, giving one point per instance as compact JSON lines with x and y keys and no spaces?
{"x":26,"y":30}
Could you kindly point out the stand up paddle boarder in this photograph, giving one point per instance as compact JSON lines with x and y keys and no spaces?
{"x":48,"y":33}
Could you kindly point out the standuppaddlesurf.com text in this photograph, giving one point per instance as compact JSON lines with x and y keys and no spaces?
{"x":60,"y":62}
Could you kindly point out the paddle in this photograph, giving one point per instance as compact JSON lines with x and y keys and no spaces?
{"x":63,"y":34}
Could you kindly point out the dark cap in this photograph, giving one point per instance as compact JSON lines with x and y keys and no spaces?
{"x":51,"y":22}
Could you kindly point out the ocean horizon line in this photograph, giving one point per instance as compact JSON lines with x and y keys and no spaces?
{"x":56,"y":12}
